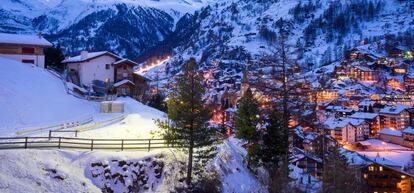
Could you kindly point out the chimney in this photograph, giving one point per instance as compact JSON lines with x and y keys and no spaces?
{"x":84,"y":55}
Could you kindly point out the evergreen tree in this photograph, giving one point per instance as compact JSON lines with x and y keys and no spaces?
{"x":247,"y":118}
{"x":274,"y":153}
{"x":54,"y":57}
{"x":275,"y":145}
{"x":158,"y":101}
{"x":187,"y":124}
{"x":338,"y":177}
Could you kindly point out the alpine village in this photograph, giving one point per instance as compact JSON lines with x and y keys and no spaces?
{"x":207,"y":96}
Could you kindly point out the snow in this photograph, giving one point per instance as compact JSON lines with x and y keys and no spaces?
{"x":364,"y":115}
{"x":388,"y":131}
{"x":235,"y":175}
{"x":31,"y":96}
{"x":6,"y":38}
{"x":89,"y":56}
{"x":394,"y":109}
{"x":400,"y":158}
{"x":379,"y":145}
{"x":125,"y":81}
{"x":24,"y":171}
{"x":409,"y":130}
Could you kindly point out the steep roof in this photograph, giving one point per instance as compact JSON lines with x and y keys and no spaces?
{"x":122,"y":82}
{"x":90,"y":56}
{"x":126,"y":61}
{"x":35,"y":40}
{"x":409,"y":130}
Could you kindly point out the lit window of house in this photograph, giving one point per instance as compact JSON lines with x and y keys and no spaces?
{"x":371,"y":168}
{"x":380,"y":168}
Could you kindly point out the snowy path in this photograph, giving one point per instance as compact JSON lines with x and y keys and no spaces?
{"x":236,"y":177}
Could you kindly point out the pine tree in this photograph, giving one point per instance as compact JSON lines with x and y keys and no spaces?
{"x":247,"y":118}
{"x":338,"y":177}
{"x":187,"y":125}
{"x":275,"y":145}
{"x":274,"y":153}
{"x":158,"y":101}
{"x":54,"y":57}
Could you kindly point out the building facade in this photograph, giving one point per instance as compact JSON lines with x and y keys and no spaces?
{"x":24,"y":48}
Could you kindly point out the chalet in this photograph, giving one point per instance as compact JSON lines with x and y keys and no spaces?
{"x":347,"y":130}
{"x":310,"y":163}
{"x":107,"y":67}
{"x":395,"y":117}
{"x":363,"y":73}
{"x":371,"y":118}
{"x":24,"y":48}
{"x":380,"y":177}
{"x":313,"y":143}
{"x":397,"y":51}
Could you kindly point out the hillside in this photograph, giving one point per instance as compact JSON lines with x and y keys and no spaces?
{"x":229,"y":34}
{"x":31,"y":96}
{"x":126,"y":27}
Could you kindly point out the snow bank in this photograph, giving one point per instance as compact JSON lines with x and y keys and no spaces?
{"x":31,"y":96}
{"x":56,"y":171}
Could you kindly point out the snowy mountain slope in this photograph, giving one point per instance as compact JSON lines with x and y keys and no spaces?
{"x":126,"y":27}
{"x":232,"y":33}
{"x":31,"y":96}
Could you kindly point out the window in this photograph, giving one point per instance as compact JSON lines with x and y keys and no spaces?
{"x":380,"y":168}
{"x":107,"y":66}
{"x":28,"y":61}
{"x":26,"y":50}
{"x":371,"y":168}
{"x":125,"y":67}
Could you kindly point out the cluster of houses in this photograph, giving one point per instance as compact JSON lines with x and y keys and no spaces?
{"x":89,"y":70}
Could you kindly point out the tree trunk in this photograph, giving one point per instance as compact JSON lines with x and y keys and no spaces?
{"x":190,"y":161}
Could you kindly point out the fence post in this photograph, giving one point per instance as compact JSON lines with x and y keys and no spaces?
{"x":149,"y":145}
{"x":25,"y":142}
{"x":59,"y":142}
{"x":92,"y":145}
{"x":76,"y":133}
{"x":122,"y":145}
{"x":50,"y":134}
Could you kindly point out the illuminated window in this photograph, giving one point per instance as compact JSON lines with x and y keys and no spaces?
{"x":371,"y":168}
{"x":365,"y":176}
{"x":403,"y":176}
{"x":380,"y":168}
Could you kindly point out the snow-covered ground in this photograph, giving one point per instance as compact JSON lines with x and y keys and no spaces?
{"x":236,"y":177}
{"x":402,"y":158}
{"x":58,"y":170}
{"x":31,"y":96}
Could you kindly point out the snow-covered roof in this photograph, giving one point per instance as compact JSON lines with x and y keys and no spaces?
{"x":355,"y":122}
{"x":122,"y":82}
{"x":394,"y":109}
{"x":387,"y":131}
{"x":125,"y":61}
{"x":383,"y":161}
{"x":364,"y":115}
{"x":90,"y":55}
{"x":333,"y":123}
{"x":409,"y":130}
{"x":19,"y":39}
{"x":366,"y":103}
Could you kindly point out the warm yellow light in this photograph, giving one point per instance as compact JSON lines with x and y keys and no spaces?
{"x":380,"y":168}
{"x":371,"y":168}
{"x":365,"y":176}
{"x":403,"y":176}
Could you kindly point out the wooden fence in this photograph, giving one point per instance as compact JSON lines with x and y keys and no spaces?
{"x":81,"y":143}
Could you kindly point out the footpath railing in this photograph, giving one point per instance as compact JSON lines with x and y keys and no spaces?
{"x":81,"y":143}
